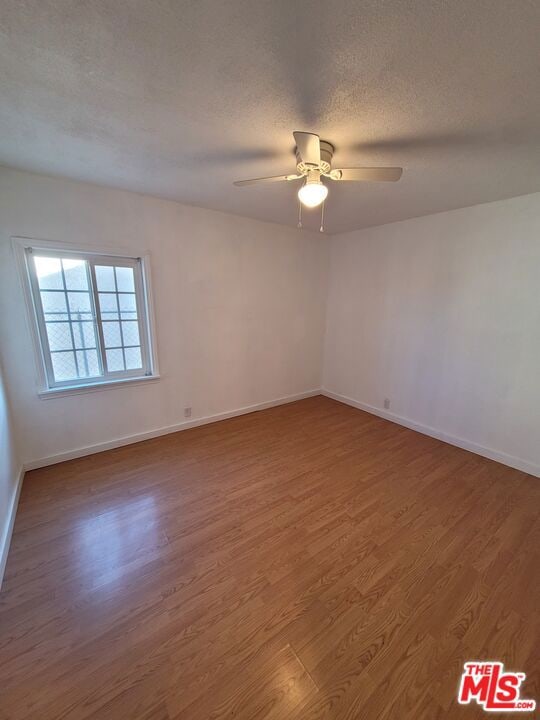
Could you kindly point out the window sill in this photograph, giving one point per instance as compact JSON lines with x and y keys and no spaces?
{"x":108,"y":385}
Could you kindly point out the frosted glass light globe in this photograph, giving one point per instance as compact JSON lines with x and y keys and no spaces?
{"x":312,"y":194}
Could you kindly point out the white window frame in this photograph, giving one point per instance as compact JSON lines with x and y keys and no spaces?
{"x":48,"y":387}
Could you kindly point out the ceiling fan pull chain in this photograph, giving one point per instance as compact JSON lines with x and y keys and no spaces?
{"x":299,"y":214}
{"x":321,"y":229}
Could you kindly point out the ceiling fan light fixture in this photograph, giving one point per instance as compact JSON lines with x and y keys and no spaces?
{"x":313,"y":193}
{"x":313,"y":161}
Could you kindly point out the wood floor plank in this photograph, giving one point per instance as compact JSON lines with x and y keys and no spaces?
{"x":307,"y":561}
{"x":269,"y":691}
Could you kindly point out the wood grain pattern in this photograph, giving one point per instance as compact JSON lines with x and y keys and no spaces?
{"x":308,"y":561}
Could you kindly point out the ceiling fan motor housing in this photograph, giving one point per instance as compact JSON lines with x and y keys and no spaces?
{"x":325,"y":164}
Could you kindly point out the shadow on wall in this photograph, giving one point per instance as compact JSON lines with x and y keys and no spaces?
{"x":10,"y":475}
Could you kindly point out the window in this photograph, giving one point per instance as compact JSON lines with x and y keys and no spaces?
{"x":92,"y":317}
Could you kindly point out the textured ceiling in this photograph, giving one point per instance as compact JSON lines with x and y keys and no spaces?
{"x":178,"y":99}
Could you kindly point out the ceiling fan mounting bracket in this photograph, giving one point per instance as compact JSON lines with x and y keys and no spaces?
{"x":325,"y":164}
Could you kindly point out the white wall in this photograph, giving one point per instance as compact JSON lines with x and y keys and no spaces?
{"x":239,"y":305}
{"x":10,"y":474}
{"x":441,"y":314}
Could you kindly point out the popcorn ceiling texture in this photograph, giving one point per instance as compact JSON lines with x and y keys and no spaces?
{"x":178,"y":99}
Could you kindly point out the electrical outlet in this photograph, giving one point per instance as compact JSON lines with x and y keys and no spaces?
{"x":386,"y":404}
{"x":187,"y":412}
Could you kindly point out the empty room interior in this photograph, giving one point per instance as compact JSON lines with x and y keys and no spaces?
{"x":269,"y":359}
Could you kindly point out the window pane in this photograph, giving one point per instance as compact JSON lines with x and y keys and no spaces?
{"x":64,"y":366}
{"x":49,"y":273}
{"x":105,"y":278}
{"x":59,"y":336}
{"x":111,"y":334}
{"x":128,"y":306}
{"x":88,"y":363}
{"x":130,"y":331}
{"x":75,"y":274}
{"x":124,"y":279}
{"x":79,"y":302}
{"x":84,"y":334}
{"x":115,"y":360}
{"x":133,"y":358}
{"x":53,"y":303}
{"x":108,"y":306}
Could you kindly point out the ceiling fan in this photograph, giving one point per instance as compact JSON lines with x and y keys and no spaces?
{"x":313,"y":160}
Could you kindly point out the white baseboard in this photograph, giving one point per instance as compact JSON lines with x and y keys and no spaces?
{"x":8,"y":529}
{"x":129,"y":439}
{"x":497,"y":455}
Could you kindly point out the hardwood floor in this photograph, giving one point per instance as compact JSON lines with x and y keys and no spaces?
{"x":308,"y":561}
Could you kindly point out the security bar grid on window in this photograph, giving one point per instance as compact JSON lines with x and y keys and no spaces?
{"x":91,"y":316}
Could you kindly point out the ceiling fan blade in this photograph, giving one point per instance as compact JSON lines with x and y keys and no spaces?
{"x":387,"y":174}
{"x":308,"y":147}
{"x":276,"y":178}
